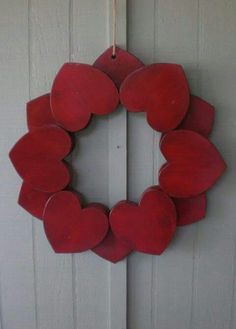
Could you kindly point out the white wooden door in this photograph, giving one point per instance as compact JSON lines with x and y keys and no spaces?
{"x":192,"y":285}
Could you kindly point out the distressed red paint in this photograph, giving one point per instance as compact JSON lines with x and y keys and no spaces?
{"x":79,"y":91}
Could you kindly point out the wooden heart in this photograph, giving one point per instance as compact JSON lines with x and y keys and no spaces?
{"x":38,"y":155}
{"x":39,"y":112}
{"x":190,"y":210}
{"x":80,"y":90}
{"x":69,"y":228}
{"x":160,"y":90}
{"x":117,"y":68}
{"x":148,"y":227}
{"x":113,"y":248}
{"x":32,"y":200}
{"x":200,"y":117}
{"x":194,"y":164}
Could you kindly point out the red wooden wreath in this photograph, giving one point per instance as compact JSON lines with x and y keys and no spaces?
{"x":193,"y":164}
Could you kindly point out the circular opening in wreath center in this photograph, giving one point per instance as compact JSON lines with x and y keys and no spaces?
{"x":96,"y":149}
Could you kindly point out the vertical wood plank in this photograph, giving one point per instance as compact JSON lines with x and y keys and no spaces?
{"x":106,"y":284}
{"x":214,"y":279}
{"x":118,"y":181}
{"x":17,"y":300}
{"x":49,"y":49}
{"x":165,"y":45}
{"x":88,"y":41}
{"x":90,"y":162}
{"x":217,"y":51}
{"x":1,"y":314}
{"x":141,"y":34}
{"x":173,"y":270}
{"x":233,"y":303}
{"x":214,"y":301}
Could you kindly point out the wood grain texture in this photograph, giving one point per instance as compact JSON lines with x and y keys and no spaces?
{"x":213,"y":280}
{"x":165,"y":45}
{"x":17,"y":300}
{"x":39,"y":162}
{"x":233,"y":294}
{"x":217,"y":76}
{"x":215,"y":241}
{"x":108,"y":280}
{"x":148,"y":226}
{"x":205,"y":161}
{"x":97,"y":95}
{"x":90,"y":272}
{"x":141,"y":34}
{"x":117,"y":159}
{"x":193,"y":284}
{"x":49,"y":49}
{"x":176,"y":45}
{"x":154,"y":78}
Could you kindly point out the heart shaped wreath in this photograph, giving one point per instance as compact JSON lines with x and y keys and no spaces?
{"x":193,"y":164}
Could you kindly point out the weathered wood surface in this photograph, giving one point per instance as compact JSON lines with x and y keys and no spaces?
{"x":192,"y":284}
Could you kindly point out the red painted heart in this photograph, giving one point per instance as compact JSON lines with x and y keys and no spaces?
{"x":37,"y":158}
{"x":160,"y":90}
{"x":148,"y":227}
{"x":113,"y":248}
{"x":39,"y":113}
{"x":32,"y":200}
{"x":199,"y":118}
{"x":78,"y":91}
{"x":117,"y":68}
{"x":190,"y":210}
{"x":69,"y":228}
{"x":194,"y":164}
